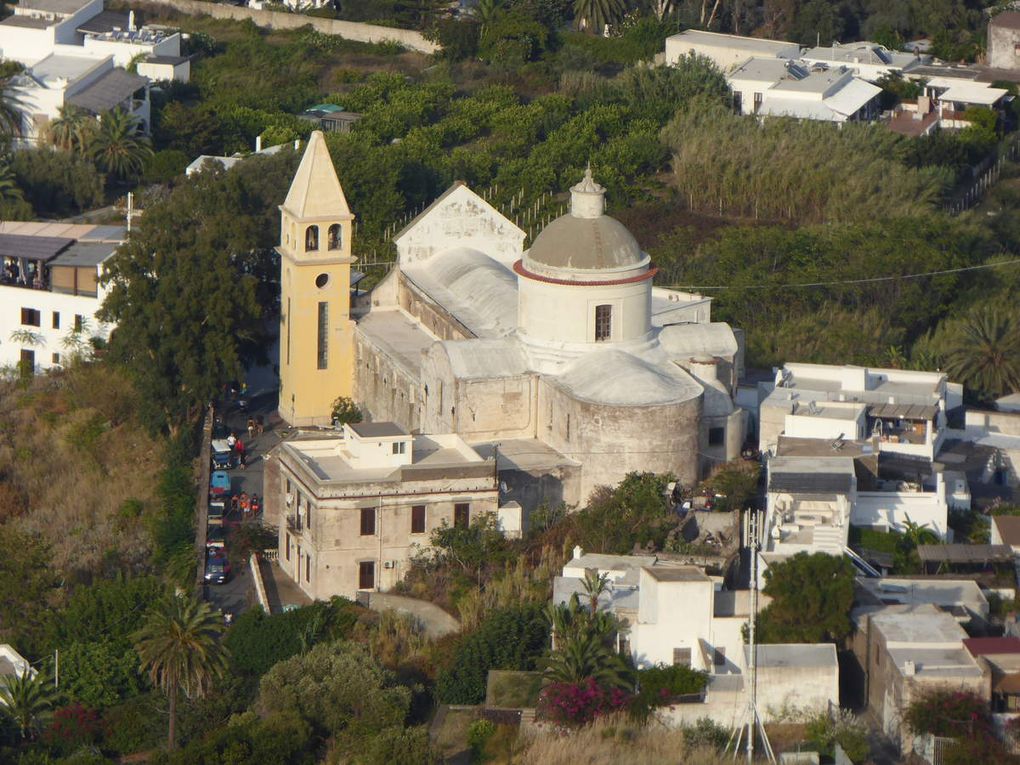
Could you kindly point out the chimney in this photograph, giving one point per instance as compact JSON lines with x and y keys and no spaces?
{"x":258,"y":144}
{"x":578,"y":551}
{"x":131,"y":21}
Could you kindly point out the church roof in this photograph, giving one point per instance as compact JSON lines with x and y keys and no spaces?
{"x":476,"y":290}
{"x":315,"y":191}
{"x":480,"y":359}
{"x":684,"y":341}
{"x":616,"y":377}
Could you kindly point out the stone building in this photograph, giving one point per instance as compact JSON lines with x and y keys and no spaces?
{"x":1004,"y":40}
{"x":564,"y":355}
{"x":357,"y":504}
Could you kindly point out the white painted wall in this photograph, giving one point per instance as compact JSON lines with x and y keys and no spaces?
{"x":820,"y":426}
{"x":13,"y":299}
{"x":123,"y":51}
{"x":672,"y":615}
{"x":26,"y":46}
{"x":892,"y":509}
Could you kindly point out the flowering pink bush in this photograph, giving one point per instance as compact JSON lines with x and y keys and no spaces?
{"x":945,"y":712}
{"x":579,"y":703}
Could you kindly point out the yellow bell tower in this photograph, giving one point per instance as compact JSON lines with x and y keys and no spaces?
{"x":316,"y":330}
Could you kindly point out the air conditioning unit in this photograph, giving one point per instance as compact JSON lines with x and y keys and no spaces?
{"x":389,"y":564}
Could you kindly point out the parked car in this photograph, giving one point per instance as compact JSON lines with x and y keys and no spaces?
{"x":215,"y":536}
{"x":222,"y":455}
{"x":217,"y":511}
{"x":217,"y":567}
{"x":219,"y":484}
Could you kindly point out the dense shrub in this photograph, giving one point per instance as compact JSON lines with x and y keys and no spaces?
{"x":633,"y":513}
{"x":57,"y":182}
{"x":579,"y":703}
{"x":511,"y":638}
{"x":947,"y":712}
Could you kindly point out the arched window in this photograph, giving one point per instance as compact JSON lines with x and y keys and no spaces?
{"x":312,"y":238}
{"x":335,"y":239}
{"x":603,"y":323}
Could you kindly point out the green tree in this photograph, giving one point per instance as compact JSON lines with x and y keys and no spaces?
{"x":73,"y":130}
{"x":10,"y":107}
{"x":345,"y":411}
{"x":595,"y":586}
{"x":56,"y":183}
{"x":181,"y":650}
{"x":635,"y":512}
{"x":983,"y":351}
{"x":588,"y":656}
{"x":98,"y":674}
{"x":596,"y":15}
{"x":28,"y":701}
{"x":27,"y":584}
{"x":811,"y":600}
{"x":117,"y":146}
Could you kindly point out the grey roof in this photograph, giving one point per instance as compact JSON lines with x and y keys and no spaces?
{"x":106,"y":21}
{"x":676,"y":574}
{"x":962,"y":553}
{"x":32,"y":247}
{"x":378,"y":429}
{"x":1006,"y":19}
{"x":615,"y":377}
{"x":794,"y":655}
{"x":66,"y":7}
{"x":903,"y":411}
{"x":813,"y":483}
{"x":108,"y":91}
{"x":105,"y":234}
{"x":170,"y":60}
{"x":586,"y":244}
{"x":27,"y":22}
{"x":85,"y":254}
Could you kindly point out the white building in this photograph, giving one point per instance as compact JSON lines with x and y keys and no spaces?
{"x":867,"y":60}
{"x":784,"y":88}
{"x":13,"y":664}
{"x":726,"y":51}
{"x":41,"y":28}
{"x":50,"y":290}
{"x":354,"y":506}
{"x":676,"y":614}
{"x":89,"y":83}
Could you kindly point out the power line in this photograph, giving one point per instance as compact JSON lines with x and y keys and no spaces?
{"x":869,"y":280}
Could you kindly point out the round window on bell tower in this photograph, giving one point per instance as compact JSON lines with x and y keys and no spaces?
{"x":321,"y":280}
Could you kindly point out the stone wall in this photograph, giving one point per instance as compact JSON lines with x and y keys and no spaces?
{"x":1002,"y":50}
{"x":384,"y":390}
{"x":350,"y":30}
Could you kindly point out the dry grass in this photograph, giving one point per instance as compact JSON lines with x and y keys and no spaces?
{"x":615,"y":741}
{"x":73,"y":454}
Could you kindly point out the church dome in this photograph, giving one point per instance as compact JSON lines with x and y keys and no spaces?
{"x":585,"y":239}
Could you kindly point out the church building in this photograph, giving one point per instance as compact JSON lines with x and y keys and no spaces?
{"x":560,"y":358}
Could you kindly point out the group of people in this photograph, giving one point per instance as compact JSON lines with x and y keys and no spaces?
{"x":247,"y":505}
{"x":239,"y":449}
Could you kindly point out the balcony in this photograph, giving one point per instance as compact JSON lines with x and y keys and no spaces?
{"x":295,"y":524}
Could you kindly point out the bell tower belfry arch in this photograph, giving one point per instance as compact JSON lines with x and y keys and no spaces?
{"x":316,"y":330}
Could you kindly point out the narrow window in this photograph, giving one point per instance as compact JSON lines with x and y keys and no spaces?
{"x":56,"y":320}
{"x":30,"y":317}
{"x":308,"y":515}
{"x":286,"y":549}
{"x":308,"y":568}
{"x":311,"y":238}
{"x":418,"y":519}
{"x":28,"y":358}
{"x":56,"y":358}
{"x":682,"y":657}
{"x":368,"y":521}
{"x":757,"y":102}
{"x":737,"y":102}
{"x":79,"y":322}
{"x":603,"y":323}
{"x":335,"y":238}
{"x":461,"y":515}
{"x":322,"y":347}
{"x":366,"y":575}
{"x":716,"y":436}
{"x":288,"y":331}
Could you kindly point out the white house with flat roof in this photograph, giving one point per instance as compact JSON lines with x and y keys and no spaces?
{"x":726,"y":51}
{"x":50,"y":289}
{"x":867,"y":60}
{"x":357,"y":504}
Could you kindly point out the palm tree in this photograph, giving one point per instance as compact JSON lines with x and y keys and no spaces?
{"x":916,"y":534}
{"x":180,"y":648}
{"x":73,"y":130}
{"x":9,"y":190}
{"x":588,"y":656}
{"x":27,"y":337}
{"x":117,"y":147}
{"x":488,"y":12}
{"x":595,"y":585}
{"x":596,"y":15}
{"x":985,"y":352}
{"x":28,"y":700}
{"x":10,"y":110}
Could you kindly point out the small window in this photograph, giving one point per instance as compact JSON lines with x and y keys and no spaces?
{"x":716,"y":436}
{"x":737,"y":103}
{"x":400,"y":447}
{"x":321,"y":280}
{"x":308,"y":568}
{"x":335,"y":237}
{"x":418,"y":519}
{"x":286,"y":548}
{"x":603,"y":323}
{"x":719,"y":657}
{"x":368,"y":521}
{"x":56,"y":320}
{"x":757,"y":102}
{"x":56,"y":358}
{"x":461,"y":515}
{"x":312,"y":238}
{"x":30,"y":317}
{"x":366,"y":575}
{"x":682,"y":657}
{"x":28,"y":358}
{"x":308,"y":514}
{"x":79,"y":322}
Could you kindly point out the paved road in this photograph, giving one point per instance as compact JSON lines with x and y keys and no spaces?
{"x":238,"y":594}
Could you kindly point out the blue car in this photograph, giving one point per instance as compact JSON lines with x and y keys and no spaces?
{"x":219,"y":484}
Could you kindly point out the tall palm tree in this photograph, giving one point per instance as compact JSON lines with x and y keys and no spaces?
{"x":9,"y":189}
{"x":73,"y":129}
{"x":596,"y":15}
{"x":180,"y":648}
{"x":985,"y":352}
{"x":10,"y":110}
{"x":28,"y":701}
{"x":117,"y":147}
{"x":595,"y":585}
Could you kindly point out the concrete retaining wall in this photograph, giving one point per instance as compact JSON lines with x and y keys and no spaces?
{"x":260,"y":586}
{"x":350,"y":30}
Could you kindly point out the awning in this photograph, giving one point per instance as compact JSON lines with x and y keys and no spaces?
{"x":110,"y":90}
{"x":957,"y":553}
{"x":41,"y":248}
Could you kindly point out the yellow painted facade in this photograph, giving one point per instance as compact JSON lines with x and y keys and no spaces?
{"x":316,"y":330}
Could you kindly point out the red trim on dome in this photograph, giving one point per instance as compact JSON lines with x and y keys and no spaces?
{"x":520,"y":270}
